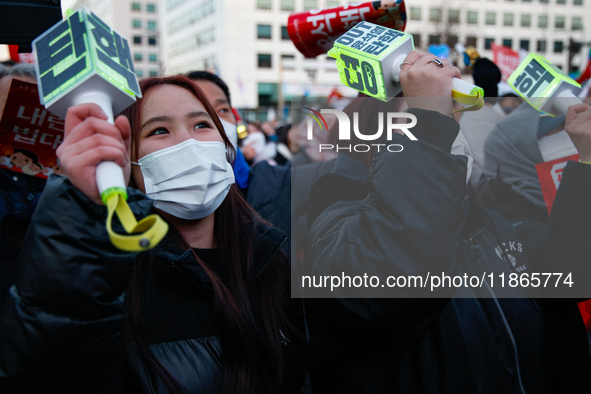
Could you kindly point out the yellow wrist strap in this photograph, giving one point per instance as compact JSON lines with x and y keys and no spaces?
{"x":147,"y":233}
{"x":474,"y":100}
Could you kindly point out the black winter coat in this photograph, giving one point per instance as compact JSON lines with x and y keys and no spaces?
{"x":62,"y":323}
{"x":269,"y":193}
{"x":412,"y":214}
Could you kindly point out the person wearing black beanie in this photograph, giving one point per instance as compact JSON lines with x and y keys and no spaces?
{"x":477,"y":125}
{"x":487,"y":75}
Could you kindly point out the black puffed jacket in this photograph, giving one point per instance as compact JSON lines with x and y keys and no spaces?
{"x":413,"y":215}
{"x":62,"y":323}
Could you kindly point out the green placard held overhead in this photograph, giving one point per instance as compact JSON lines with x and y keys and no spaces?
{"x":544,"y":85}
{"x":82,"y":60}
{"x":74,"y":54}
{"x":364,"y":58}
{"x":369,"y":58}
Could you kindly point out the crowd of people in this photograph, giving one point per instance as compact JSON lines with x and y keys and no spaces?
{"x":211,"y":309}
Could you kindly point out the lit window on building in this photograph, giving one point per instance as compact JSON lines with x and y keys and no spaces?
{"x":287,"y":5}
{"x":268,"y":94}
{"x":284,"y":33}
{"x":264,"y":60}
{"x":434,"y":40}
{"x":264,"y":4}
{"x":264,"y":31}
{"x":310,"y":5}
{"x":454,"y":16}
{"x":559,"y":22}
{"x":577,"y":23}
{"x":435,"y":14}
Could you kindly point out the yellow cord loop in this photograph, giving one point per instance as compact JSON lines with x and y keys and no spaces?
{"x":474,"y":100}
{"x":147,"y":233}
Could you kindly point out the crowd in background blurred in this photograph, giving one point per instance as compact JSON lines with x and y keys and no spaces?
{"x":505,"y":141}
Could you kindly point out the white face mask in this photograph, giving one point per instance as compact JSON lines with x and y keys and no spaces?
{"x":189,"y":180}
{"x":556,"y":146}
{"x":231,"y":131}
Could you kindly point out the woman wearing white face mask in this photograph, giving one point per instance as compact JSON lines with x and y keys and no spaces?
{"x":266,"y":188}
{"x":205,"y":311}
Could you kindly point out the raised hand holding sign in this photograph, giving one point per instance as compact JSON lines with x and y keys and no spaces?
{"x":81,"y":60}
{"x":544,"y":85}
{"x":547,"y":89}
{"x":369,"y":59}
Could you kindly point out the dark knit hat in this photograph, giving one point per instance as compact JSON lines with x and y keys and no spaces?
{"x":487,"y":75}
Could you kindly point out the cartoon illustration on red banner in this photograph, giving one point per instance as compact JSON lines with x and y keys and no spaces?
{"x":29,"y":134}
{"x":550,"y":176}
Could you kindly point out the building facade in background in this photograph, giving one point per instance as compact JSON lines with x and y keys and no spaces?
{"x":139,"y":22}
{"x":544,"y":27}
{"x":246,"y":43}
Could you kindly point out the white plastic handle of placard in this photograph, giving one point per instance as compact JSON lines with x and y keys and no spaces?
{"x":108,"y":173}
{"x":396,"y":68}
{"x":461,"y":86}
{"x":565,"y":99}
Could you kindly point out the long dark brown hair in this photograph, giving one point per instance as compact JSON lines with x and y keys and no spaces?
{"x":253,"y":355}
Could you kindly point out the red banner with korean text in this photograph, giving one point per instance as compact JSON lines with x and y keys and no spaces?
{"x":20,"y":57}
{"x":29,"y":134}
{"x":585,"y":309}
{"x":550,"y":175}
{"x":313,"y":32}
{"x":506,"y":59}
